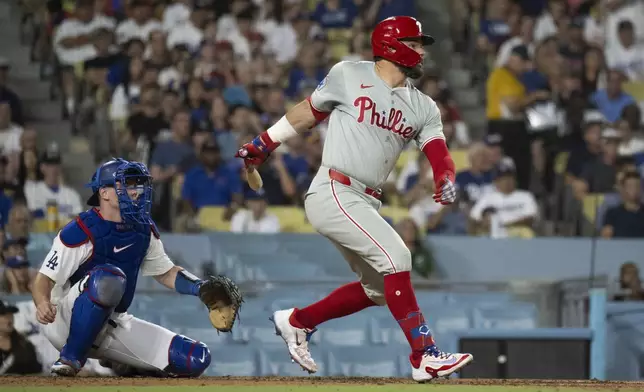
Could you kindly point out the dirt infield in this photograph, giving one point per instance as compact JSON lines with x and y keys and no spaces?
{"x":301,"y":381}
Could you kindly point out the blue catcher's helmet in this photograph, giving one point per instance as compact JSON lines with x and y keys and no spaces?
{"x":129,"y":176}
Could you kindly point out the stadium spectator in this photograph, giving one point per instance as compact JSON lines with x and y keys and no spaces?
{"x":506,"y":101}
{"x":631,"y":142}
{"x":614,"y":198}
{"x":599,"y":174}
{"x":612,"y":100}
{"x":524,"y":38}
{"x":17,"y":354}
{"x":18,"y":276}
{"x":626,"y":56}
{"x":146,"y":124}
{"x":627,"y":219}
{"x":212,"y":183}
{"x":190,"y":32}
{"x":591,"y":147}
{"x":8,"y":95}
{"x":19,"y":223}
{"x":10,"y":132}
{"x":548,"y":23}
{"x":140,"y":24}
{"x":50,"y":198}
{"x":126,"y":94}
{"x":176,"y":13}
{"x":506,"y":207}
{"x":422,"y":260}
{"x":477,"y":179}
{"x":574,"y":47}
{"x":73,"y":44}
{"x":335,"y":14}
{"x":630,"y":283}
{"x":255,"y":219}
{"x":594,"y":73}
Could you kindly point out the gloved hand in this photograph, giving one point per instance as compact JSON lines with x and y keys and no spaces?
{"x":445,"y":190}
{"x":257,"y":151}
{"x":223,"y":299}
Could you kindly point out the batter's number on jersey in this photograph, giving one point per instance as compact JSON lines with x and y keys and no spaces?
{"x":52,"y":263}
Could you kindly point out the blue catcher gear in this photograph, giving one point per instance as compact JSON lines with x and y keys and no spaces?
{"x":102,"y":291}
{"x":133,"y":185}
{"x":188,"y":358}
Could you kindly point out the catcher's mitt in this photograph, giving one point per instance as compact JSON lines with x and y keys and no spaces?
{"x":223,"y":299}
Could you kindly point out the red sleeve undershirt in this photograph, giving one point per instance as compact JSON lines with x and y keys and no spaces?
{"x":319,"y":115}
{"x":438,"y":155}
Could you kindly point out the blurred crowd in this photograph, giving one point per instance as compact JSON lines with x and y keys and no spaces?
{"x":564,"y":89}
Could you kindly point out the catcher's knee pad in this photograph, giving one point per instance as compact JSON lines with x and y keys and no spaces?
{"x":106,"y":285}
{"x":187,"y":357}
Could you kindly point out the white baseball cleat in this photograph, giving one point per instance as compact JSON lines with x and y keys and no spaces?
{"x":297,"y":339}
{"x":65,"y":368}
{"x":435,"y":364}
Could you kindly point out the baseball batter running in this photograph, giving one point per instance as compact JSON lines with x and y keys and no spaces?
{"x":87,"y":283}
{"x":374,"y":112}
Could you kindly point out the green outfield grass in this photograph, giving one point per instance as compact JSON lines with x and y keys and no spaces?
{"x":317,"y":388}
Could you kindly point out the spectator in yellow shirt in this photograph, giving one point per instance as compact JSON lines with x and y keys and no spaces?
{"x":506,"y":101}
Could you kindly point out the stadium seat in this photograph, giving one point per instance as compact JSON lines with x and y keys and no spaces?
{"x":461,"y":159}
{"x":255,"y":329}
{"x":210,"y":336}
{"x":212,"y":218}
{"x":365,"y":362}
{"x":240,"y":361}
{"x":274,"y":360}
{"x":515,"y":316}
{"x":185,"y":319}
{"x":396,"y":214}
{"x":292,"y":219}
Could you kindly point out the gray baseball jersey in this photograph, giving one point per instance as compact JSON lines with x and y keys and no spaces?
{"x":371,"y":123}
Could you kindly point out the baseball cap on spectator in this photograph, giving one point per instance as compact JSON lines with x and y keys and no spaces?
{"x":51,"y":155}
{"x":5,"y":308}
{"x":504,"y":168}
{"x":611,"y":134}
{"x":237,"y":96}
{"x":492,"y":140}
{"x":592,"y":117}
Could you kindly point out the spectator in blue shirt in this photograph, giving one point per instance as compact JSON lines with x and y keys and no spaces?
{"x":473,"y":182}
{"x":212,"y":183}
{"x":335,"y":14}
{"x":170,"y":154}
{"x":612,"y":100}
{"x":307,"y":72}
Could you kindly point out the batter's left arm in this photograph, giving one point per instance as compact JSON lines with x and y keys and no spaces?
{"x":431,"y":142}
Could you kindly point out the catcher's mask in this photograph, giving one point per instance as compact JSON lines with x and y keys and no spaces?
{"x":125,"y":177}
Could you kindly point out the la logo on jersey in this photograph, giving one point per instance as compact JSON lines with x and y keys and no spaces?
{"x":394,"y":122}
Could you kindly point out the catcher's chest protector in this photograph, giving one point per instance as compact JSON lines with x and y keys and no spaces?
{"x":124,"y":246}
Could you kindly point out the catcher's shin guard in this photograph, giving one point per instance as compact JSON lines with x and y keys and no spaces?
{"x":103,"y":291}
{"x":188,"y":358}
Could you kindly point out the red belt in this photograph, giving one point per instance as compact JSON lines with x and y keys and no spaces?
{"x":346,"y":180}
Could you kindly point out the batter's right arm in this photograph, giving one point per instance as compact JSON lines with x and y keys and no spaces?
{"x":300,"y":118}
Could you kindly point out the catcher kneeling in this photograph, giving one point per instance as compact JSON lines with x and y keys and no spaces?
{"x":88,"y":281}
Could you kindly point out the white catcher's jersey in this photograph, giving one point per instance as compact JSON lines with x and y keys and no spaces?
{"x":371,"y":123}
{"x":62,"y":261}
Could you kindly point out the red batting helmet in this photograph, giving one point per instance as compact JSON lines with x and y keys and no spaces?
{"x":385,"y":40}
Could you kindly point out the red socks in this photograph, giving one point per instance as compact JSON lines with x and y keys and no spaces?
{"x":343,"y":301}
{"x":402,"y":304}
